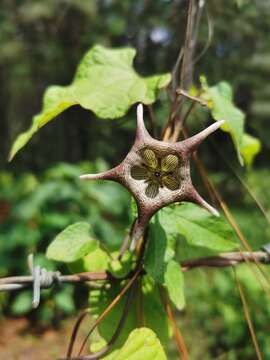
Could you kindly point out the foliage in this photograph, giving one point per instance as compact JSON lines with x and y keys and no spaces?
{"x":250,"y":147}
{"x":198,"y":227}
{"x":218,"y":322}
{"x":174,"y":283}
{"x":39,"y":208}
{"x":155,"y":257}
{"x":39,"y":47}
{"x":220,"y":97}
{"x":203,"y":319}
{"x":141,"y":342}
{"x":159,"y":264}
{"x":107,"y":84}
{"x":220,"y":101}
{"x":153,"y":313}
{"x":72,"y":243}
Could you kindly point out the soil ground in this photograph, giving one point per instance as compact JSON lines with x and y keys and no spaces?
{"x":18,"y":342}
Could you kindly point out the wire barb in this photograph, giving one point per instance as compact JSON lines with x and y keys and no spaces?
{"x":40,"y":278}
{"x":44,"y":279}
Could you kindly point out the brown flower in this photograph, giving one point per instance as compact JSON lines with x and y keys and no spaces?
{"x":157,"y":173}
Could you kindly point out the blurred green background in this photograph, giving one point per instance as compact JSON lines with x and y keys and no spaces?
{"x":40,"y":194}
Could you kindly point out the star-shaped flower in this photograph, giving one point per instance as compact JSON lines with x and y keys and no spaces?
{"x":157,"y":173}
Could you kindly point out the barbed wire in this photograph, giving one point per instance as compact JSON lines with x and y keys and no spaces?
{"x":42,"y":278}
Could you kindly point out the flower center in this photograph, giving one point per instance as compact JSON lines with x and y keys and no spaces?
{"x":157,"y":171}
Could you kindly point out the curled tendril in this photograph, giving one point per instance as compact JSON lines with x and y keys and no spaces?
{"x":157,"y":173}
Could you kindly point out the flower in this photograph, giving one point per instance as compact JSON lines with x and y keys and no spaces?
{"x":157,"y":171}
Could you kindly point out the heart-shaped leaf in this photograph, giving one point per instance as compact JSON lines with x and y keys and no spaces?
{"x":105,"y":82}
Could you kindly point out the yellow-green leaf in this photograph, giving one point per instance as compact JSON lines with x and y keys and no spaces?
{"x":220,"y":100}
{"x":141,"y":344}
{"x":96,"y":260}
{"x":250,"y":147}
{"x":105,"y":83}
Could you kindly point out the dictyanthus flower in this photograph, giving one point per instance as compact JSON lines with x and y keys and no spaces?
{"x":157,"y":171}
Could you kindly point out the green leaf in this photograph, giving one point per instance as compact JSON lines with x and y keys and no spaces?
{"x":96,"y":260}
{"x":155,"y":253}
{"x":72,"y":243}
{"x":99,"y":300}
{"x":198,"y":227}
{"x":141,"y":344}
{"x":105,"y":82}
{"x":174,"y":282}
{"x":220,"y":99}
{"x":250,"y":147}
{"x":152,"y":313}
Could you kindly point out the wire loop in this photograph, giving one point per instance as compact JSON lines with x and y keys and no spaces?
{"x":42,"y":279}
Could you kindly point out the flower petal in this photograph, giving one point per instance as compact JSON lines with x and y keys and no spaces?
{"x":139,"y":172}
{"x":171,"y":182}
{"x":169,"y":163}
{"x":152,"y":190}
{"x":150,"y":158}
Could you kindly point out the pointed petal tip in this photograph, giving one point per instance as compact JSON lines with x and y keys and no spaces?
{"x":196,"y":198}
{"x":140,"y":115}
{"x":208,"y":207}
{"x":194,"y":141}
{"x":85,"y":177}
{"x":106,"y":175}
{"x":214,"y":212}
{"x":220,"y":123}
{"x":92,"y":176}
{"x":140,"y":110}
{"x":212,"y":128}
{"x":142,"y":132}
